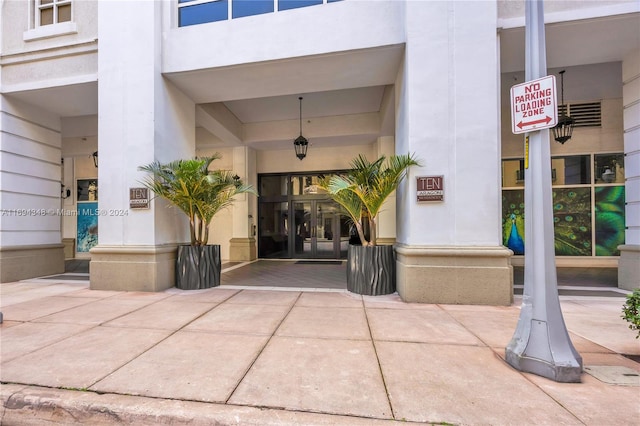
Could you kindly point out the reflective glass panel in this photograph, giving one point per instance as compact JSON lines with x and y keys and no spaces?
{"x":273,"y":233}
{"x":201,"y":13}
{"x":46,"y":16}
{"x":512,"y":173}
{"x":307,"y":185}
{"x":242,"y":8}
{"x":294,"y":4}
{"x":571,"y":170}
{"x":273,"y":185}
{"x":608,"y":168}
{"x":64,"y":13}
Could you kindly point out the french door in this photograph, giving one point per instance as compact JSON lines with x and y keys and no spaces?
{"x":320,"y":231}
{"x":298,"y":220}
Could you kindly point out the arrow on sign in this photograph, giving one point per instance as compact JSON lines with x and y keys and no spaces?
{"x":545,"y":120}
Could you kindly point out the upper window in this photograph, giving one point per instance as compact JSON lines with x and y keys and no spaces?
{"x":294,"y":4}
{"x":50,"y":18}
{"x":193,"y":12}
{"x":52,"y":12}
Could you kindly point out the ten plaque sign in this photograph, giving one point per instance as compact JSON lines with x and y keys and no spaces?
{"x":139,"y":198}
{"x":430,"y":188}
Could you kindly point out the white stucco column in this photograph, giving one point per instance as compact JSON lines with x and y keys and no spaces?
{"x":386,"y":232}
{"x":448,"y":115}
{"x":629,"y":263}
{"x":142,"y":118}
{"x":242,"y":245}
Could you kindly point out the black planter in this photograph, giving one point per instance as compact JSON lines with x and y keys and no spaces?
{"x":371,"y":270}
{"x":198,"y":267}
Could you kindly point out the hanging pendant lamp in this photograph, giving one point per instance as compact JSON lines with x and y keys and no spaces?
{"x":301,"y":143}
{"x":563,"y":130}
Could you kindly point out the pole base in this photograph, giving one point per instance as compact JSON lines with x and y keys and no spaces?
{"x":567,"y":372}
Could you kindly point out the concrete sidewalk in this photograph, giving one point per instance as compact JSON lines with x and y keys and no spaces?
{"x":70,"y":355}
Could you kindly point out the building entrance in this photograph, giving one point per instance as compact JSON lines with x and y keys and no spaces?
{"x":298,"y":221}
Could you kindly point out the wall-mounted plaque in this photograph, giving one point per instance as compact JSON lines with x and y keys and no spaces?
{"x":139,"y":198}
{"x":430,"y":188}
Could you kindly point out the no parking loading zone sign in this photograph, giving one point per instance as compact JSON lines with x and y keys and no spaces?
{"x":534,"y":105}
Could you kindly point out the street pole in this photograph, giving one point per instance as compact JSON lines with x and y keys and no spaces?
{"x":541,"y":343}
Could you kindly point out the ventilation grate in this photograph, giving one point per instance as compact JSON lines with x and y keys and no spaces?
{"x":586,"y":114}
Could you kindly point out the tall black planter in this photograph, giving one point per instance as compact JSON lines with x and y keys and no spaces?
{"x":198,"y":267}
{"x":371,"y":270}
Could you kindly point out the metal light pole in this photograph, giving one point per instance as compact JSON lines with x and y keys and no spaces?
{"x":541,"y":343}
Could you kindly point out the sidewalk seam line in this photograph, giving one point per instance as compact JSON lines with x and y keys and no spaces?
{"x":375,"y":351}
{"x":252,"y":363}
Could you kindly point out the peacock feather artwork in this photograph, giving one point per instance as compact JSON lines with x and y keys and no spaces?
{"x":572,"y":221}
{"x":513,"y":220}
{"x":610,"y":219}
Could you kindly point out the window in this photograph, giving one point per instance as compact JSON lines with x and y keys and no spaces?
{"x":294,"y":4}
{"x":251,"y":7}
{"x":52,"y":12}
{"x":50,"y":18}
{"x":588,"y":204}
{"x":193,"y":12}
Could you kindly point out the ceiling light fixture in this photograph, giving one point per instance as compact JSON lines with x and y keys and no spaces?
{"x":301,"y":143}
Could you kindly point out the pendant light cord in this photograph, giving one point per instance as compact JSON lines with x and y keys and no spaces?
{"x":300,"y":98}
{"x":562,"y":86}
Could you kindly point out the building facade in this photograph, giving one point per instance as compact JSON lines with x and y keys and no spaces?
{"x":91,"y":90}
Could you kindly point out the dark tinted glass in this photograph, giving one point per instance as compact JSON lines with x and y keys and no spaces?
{"x":251,"y":7}
{"x":201,"y":13}
{"x":294,"y":4}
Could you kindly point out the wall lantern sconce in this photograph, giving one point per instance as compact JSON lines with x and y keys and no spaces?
{"x":563,"y":130}
{"x":301,"y":143}
{"x":64,"y":191}
{"x":95,"y":159}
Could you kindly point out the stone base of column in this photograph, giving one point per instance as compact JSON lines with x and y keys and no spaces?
{"x":242,"y":249}
{"x":629,"y":267}
{"x":132,"y":268}
{"x":384,"y":241}
{"x":23,"y":262}
{"x":455,"y":275}
{"x":69,"y":248}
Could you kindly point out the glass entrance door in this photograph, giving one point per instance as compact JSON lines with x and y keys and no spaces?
{"x":317,"y":229}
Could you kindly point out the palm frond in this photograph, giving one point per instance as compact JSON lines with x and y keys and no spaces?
{"x":199,"y":192}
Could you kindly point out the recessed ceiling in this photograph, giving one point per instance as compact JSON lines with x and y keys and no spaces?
{"x":572,"y":43}
{"x":317,"y":104}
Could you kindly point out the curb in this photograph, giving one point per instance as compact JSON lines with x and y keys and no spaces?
{"x":31,"y":405}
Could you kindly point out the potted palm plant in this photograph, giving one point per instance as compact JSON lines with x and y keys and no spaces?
{"x":361,"y":192}
{"x":200,"y":193}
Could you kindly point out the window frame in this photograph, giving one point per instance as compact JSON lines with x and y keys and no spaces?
{"x":55,"y":6}
{"x":37,"y":31}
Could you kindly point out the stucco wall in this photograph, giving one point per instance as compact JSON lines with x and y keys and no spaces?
{"x":30,"y":175}
{"x":333,"y":27}
{"x":446,"y":115}
{"x":70,"y":56}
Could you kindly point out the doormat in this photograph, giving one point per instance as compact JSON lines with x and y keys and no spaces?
{"x":319,"y":262}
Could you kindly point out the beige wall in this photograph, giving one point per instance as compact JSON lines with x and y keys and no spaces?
{"x":588,"y":83}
